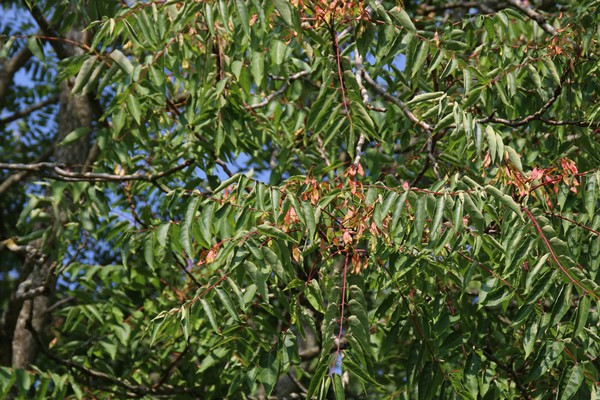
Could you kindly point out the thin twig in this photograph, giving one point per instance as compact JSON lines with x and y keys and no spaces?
{"x":321,"y":150}
{"x":536,"y":115}
{"x":393,"y":99}
{"x":364,"y":94}
{"x":279,"y":91}
{"x":555,"y":257}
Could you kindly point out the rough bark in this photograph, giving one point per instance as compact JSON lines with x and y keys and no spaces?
{"x":75,"y":112}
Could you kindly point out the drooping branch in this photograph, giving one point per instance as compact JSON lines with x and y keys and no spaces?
{"x":554,"y":256}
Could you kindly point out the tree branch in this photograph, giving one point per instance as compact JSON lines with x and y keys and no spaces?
{"x":534,"y":15}
{"x":10,"y":68}
{"x":279,"y":91}
{"x":39,"y":18}
{"x":92,"y":374}
{"x":430,"y":145}
{"x":393,"y":99}
{"x":25,"y":112}
{"x":56,"y":171}
{"x":358,"y":61}
{"x":537,"y":116}
{"x":461,"y":4}
{"x":19,"y":176}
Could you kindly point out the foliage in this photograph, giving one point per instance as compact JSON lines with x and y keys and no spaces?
{"x":418,"y":219}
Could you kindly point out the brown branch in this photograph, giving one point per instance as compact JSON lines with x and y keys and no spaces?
{"x":514,"y":375}
{"x":534,"y":15}
{"x":25,"y":112}
{"x":19,"y":176}
{"x":10,"y":68}
{"x":536,"y":115}
{"x":538,"y":228}
{"x":583,"y":124}
{"x":223,"y":165}
{"x":48,"y":30}
{"x":462,"y":4}
{"x":56,"y":171}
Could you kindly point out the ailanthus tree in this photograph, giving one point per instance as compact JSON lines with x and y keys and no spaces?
{"x":300,"y":199}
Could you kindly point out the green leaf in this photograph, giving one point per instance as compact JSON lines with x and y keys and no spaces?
{"x":439,"y":215}
{"x":590,"y":195}
{"x":83,"y":75}
{"x":420,"y":58}
{"x":338,"y":388}
{"x":35,"y":46}
{"x":163,"y":232}
{"x":492,"y":142}
{"x":552,"y":68}
{"x":419,"y":221}
{"x":515,"y":158}
{"x":8,"y":378}
{"x":122,"y":61}
{"x":504,"y":198}
{"x":210,"y":315}
{"x":575,"y":379}
{"x":186,"y":228}
{"x":149,"y":250}
{"x":243,"y":12}
{"x":133,"y":105}
{"x":7,"y":46}
{"x":268,"y":371}
{"x":257,"y":67}
{"x":278,"y":52}
{"x":402,"y":18}
{"x":75,"y":136}
{"x":274,"y":262}
{"x":309,"y":217}
{"x":582,"y":314}
{"x":359,"y":371}
{"x":228,"y":303}
{"x":314,"y":296}
{"x":272,"y":231}
{"x":321,"y":111}
{"x":285,"y":11}
{"x":426,"y":96}
{"x":540,"y":288}
{"x":236,"y":178}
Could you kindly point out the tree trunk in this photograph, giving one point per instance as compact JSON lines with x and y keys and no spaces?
{"x":75,"y":112}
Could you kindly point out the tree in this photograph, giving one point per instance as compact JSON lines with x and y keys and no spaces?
{"x":415,"y":214}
